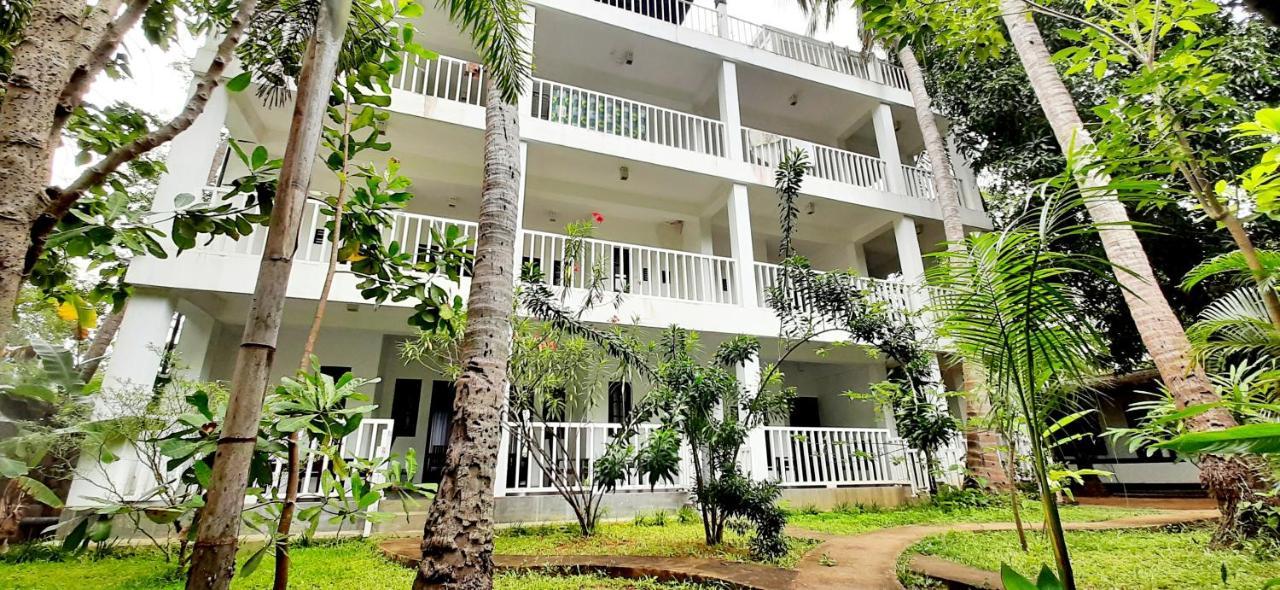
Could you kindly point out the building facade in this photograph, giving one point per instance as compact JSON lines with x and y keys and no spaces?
{"x":667,"y":119}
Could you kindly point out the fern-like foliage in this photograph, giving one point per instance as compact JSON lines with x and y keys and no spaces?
{"x":1233,"y":265}
{"x":1234,"y":326}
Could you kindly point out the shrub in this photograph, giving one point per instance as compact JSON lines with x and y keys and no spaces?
{"x":950,"y":498}
{"x":687,"y":515}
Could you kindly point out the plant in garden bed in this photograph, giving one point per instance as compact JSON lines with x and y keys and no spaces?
{"x":855,"y":520}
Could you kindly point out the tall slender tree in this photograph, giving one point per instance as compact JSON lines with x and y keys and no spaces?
{"x":1228,"y":479}
{"x":213,"y":558}
{"x":981,"y":458}
{"x":457,"y":539}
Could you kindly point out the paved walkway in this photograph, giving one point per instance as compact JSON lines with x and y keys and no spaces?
{"x":870,"y":560}
{"x":865,"y":561}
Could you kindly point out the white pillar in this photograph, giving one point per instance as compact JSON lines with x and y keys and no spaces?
{"x":887,"y":144}
{"x":198,"y":329}
{"x":754,"y":459}
{"x":910,"y":260}
{"x":706,"y":242}
{"x":740,"y":244}
{"x":524,"y":105}
{"x":518,"y":247}
{"x":129,"y":376}
{"x":858,"y":257}
{"x":730,"y":115}
{"x":191,"y":154}
{"x":722,"y":18}
{"x":970,"y":196}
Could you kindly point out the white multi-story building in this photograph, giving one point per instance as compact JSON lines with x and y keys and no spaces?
{"x":664,"y":116}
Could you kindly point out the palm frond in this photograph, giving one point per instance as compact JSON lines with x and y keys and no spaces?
{"x":1233,"y":263}
{"x":497,"y":29}
{"x":1235,"y":324}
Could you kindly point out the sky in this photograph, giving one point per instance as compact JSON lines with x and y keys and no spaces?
{"x":160,"y":77}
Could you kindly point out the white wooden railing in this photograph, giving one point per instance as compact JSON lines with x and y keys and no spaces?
{"x":896,"y":295}
{"x":444,"y":77}
{"x":830,"y":457}
{"x":919,"y":182}
{"x":798,"y":47}
{"x":765,"y":149}
{"x":681,"y":13}
{"x":371,"y":440}
{"x":637,"y":270}
{"x":621,"y":117}
{"x":542,"y":453}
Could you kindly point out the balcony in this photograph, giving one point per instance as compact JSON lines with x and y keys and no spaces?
{"x":687,"y":15}
{"x":460,"y":81}
{"x":628,"y":269}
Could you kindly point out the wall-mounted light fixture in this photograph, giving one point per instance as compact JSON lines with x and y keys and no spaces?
{"x":795,"y":98}
{"x":624,"y":173}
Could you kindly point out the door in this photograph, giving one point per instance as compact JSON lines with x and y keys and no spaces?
{"x":439,"y":422}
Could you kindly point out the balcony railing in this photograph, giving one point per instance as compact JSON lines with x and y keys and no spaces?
{"x":766,"y":149}
{"x":637,"y":270}
{"x":541,"y":453}
{"x":895,"y":295}
{"x":919,"y":182}
{"x":830,"y":457}
{"x":686,"y":14}
{"x":621,"y":117}
{"x":444,"y":77}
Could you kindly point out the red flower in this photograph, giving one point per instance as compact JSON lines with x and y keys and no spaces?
{"x":597,"y":217}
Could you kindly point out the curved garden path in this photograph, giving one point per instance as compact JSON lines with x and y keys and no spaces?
{"x":869,"y":560}
{"x":863,"y":561}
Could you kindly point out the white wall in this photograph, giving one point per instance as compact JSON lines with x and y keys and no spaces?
{"x":828,"y":383}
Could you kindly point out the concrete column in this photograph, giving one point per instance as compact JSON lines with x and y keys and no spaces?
{"x":740,"y":244}
{"x":198,"y":330}
{"x":730,"y":115}
{"x":754,"y":459}
{"x":970,"y":196}
{"x":858,"y":258}
{"x":520,"y":192}
{"x":706,"y":242}
{"x":887,"y":144}
{"x":524,"y":105}
{"x":126,"y":387}
{"x":191,"y":155}
{"x":722,"y":18}
{"x":910,"y":260}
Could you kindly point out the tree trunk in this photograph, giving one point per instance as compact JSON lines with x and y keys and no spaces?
{"x":1228,"y":479}
{"x":213,"y":558}
{"x":292,"y":474}
{"x":457,"y":541}
{"x":101,"y":341}
{"x":42,"y":63}
{"x":980,"y":444}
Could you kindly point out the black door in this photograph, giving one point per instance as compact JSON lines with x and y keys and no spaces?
{"x":439,"y":422}
{"x":804,"y":412}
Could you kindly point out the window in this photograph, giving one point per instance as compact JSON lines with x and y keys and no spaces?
{"x":619,"y":401}
{"x":438,"y":426}
{"x":404,"y":406}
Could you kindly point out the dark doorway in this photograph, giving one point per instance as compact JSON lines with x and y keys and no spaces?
{"x":438,"y":424}
{"x":405,"y":401}
{"x":804,"y":412}
{"x":619,"y":401}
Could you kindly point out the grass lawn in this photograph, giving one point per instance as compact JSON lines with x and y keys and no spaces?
{"x":1114,"y":560}
{"x":352,"y":564}
{"x":857,"y":520}
{"x":672,"y":539}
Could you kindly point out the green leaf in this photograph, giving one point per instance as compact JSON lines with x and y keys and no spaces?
{"x":1013,"y":580}
{"x":239,"y":82}
{"x":11,"y":468}
{"x":100,"y":531}
{"x":1046,"y":580}
{"x":76,"y":536}
{"x":39,"y":491}
{"x":259,"y":157}
{"x":255,"y":560}
{"x":1250,"y":438}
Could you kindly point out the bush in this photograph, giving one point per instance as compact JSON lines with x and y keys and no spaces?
{"x":687,"y":515}
{"x":950,"y":498}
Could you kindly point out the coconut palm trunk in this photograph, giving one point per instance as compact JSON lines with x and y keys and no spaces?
{"x":981,"y":458}
{"x":457,"y":541}
{"x":213,"y":557}
{"x":1228,"y":479}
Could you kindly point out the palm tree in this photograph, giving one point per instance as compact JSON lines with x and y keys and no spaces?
{"x":457,"y":540}
{"x":981,"y":458}
{"x":1006,"y":304}
{"x":1162,"y":333}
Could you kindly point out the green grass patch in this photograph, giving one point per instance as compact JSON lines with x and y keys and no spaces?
{"x":330,"y":566}
{"x":856,"y":520}
{"x":1174,"y":557}
{"x":672,"y":539}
